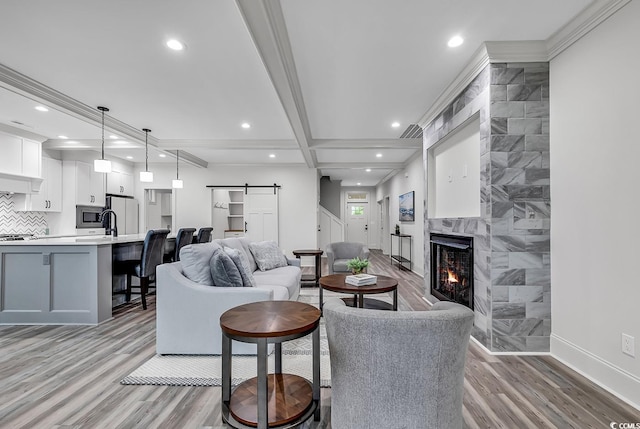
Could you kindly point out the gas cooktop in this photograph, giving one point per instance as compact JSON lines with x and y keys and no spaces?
{"x":15,"y":237}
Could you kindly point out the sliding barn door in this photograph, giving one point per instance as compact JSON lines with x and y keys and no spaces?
{"x":261,"y":214}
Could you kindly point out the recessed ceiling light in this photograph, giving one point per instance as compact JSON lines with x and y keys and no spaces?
{"x":395,"y":124}
{"x":162,"y":155}
{"x":272,"y":155}
{"x":129,"y":157}
{"x":63,"y":137}
{"x":358,"y":183}
{"x":246,"y":125}
{"x":378,"y":155}
{"x":42,"y":109}
{"x":120,"y":142}
{"x":455,"y":41}
{"x":114,"y":137}
{"x":176,"y":45}
{"x":368,"y":170}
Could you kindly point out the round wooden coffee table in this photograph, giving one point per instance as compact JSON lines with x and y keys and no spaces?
{"x":336,"y":283}
{"x":270,"y":400}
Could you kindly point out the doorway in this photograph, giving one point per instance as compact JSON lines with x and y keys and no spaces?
{"x":158,"y":205}
{"x":358,"y":223}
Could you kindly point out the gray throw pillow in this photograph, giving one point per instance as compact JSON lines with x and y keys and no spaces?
{"x":242,"y":263}
{"x":267,"y":255}
{"x":195,"y":262}
{"x":223,"y":271}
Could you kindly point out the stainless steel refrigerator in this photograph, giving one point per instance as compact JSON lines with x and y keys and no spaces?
{"x":126,"y":209}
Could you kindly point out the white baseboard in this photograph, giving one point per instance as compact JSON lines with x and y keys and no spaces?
{"x":615,"y":380}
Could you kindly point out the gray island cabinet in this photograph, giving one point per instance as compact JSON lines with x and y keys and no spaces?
{"x":64,"y":280}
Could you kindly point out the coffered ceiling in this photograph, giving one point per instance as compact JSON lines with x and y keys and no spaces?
{"x":319,"y":81}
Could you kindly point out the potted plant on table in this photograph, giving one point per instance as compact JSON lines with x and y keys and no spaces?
{"x":357,"y":265}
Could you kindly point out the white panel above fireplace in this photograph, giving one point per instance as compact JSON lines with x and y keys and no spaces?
{"x":454,"y":174}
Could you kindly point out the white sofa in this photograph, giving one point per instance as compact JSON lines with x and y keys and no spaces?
{"x":188,"y":313}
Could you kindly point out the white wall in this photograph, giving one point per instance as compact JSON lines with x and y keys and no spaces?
{"x":298,"y":197}
{"x":410,"y":179}
{"x":595,"y":151}
{"x":455,"y":174}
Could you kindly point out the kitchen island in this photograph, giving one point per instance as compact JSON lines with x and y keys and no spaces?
{"x":65,"y":280}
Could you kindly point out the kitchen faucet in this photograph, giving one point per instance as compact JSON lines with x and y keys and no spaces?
{"x":115,"y":222}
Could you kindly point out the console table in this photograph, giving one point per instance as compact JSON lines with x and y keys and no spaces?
{"x":311,"y":278}
{"x":400,"y":257}
{"x":270,"y":400}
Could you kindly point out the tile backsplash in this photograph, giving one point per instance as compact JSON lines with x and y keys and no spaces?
{"x":14,"y":222}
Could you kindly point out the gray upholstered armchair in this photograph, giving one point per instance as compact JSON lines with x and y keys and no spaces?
{"x":338,"y":254}
{"x":397,"y":369}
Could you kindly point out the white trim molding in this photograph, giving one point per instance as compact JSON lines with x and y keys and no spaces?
{"x":610,"y":377}
{"x":582,"y":24}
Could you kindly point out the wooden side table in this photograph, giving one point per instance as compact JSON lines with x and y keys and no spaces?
{"x":336,"y":283}
{"x":310,"y":278}
{"x":270,"y":400}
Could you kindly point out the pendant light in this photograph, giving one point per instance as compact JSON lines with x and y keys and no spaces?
{"x":102,"y":165}
{"x":146,"y":175}
{"x":177,"y":183}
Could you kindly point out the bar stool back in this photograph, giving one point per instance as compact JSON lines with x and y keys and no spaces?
{"x":184,"y":237}
{"x":204,"y":235}
{"x":145,"y":267}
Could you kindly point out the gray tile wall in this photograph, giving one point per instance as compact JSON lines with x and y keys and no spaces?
{"x":511,"y":237}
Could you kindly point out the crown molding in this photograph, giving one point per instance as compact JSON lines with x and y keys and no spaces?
{"x":583,"y":23}
{"x":356,"y":165}
{"x":225,"y":144}
{"x":478,"y":62}
{"x":526,"y":51}
{"x":34,"y":90}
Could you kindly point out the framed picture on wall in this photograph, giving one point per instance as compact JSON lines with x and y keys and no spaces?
{"x":406,"y":207}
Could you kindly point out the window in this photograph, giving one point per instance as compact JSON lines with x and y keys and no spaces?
{"x":357,"y":211}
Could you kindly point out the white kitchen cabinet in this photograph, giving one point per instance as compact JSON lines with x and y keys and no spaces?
{"x":120,"y":183}
{"x":89,"y":185}
{"x":31,"y":158}
{"x":20,"y":156}
{"x":49,"y":199}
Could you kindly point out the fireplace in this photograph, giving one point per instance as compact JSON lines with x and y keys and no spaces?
{"x":452,"y":268}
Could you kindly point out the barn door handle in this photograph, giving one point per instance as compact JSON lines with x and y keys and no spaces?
{"x":366,"y":227}
{"x":245,"y":227}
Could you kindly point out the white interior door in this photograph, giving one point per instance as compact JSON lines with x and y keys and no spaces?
{"x":358,"y":223}
{"x":261,"y":214}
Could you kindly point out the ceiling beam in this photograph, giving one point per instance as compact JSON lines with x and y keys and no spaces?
{"x":362,"y":165}
{"x":366,"y":143}
{"x":265,"y":23}
{"x":229,"y":144}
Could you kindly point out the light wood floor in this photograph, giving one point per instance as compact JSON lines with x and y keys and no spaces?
{"x":68,"y":377}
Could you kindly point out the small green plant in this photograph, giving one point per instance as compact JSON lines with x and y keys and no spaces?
{"x":357,"y":265}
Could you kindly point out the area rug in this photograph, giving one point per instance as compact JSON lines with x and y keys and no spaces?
{"x":191,"y":370}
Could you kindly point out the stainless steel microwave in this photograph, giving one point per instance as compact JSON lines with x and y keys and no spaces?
{"x":88,"y":217}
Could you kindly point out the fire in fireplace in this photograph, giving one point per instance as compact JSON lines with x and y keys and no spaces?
{"x":452,"y":268}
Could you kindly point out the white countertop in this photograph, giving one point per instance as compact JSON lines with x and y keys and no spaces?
{"x":87,"y":240}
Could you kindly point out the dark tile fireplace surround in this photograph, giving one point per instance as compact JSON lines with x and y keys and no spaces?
{"x":511,"y":296}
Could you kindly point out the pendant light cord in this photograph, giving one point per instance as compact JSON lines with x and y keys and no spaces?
{"x":146,"y":148}
{"x":177,"y":159}
{"x":103,"y":109}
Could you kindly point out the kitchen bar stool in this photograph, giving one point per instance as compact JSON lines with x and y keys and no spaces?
{"x":204,"y":235}
{"x":183,"y":237}
{"x":145,"y":267}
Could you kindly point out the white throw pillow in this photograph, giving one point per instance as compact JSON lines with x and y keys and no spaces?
{"x":195,"y":262}
{"x":267,"y":255}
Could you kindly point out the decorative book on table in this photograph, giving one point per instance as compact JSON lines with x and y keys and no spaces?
{"x":361,"y":279}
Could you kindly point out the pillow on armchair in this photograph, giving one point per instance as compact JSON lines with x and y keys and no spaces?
{"x":267,"y":255}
